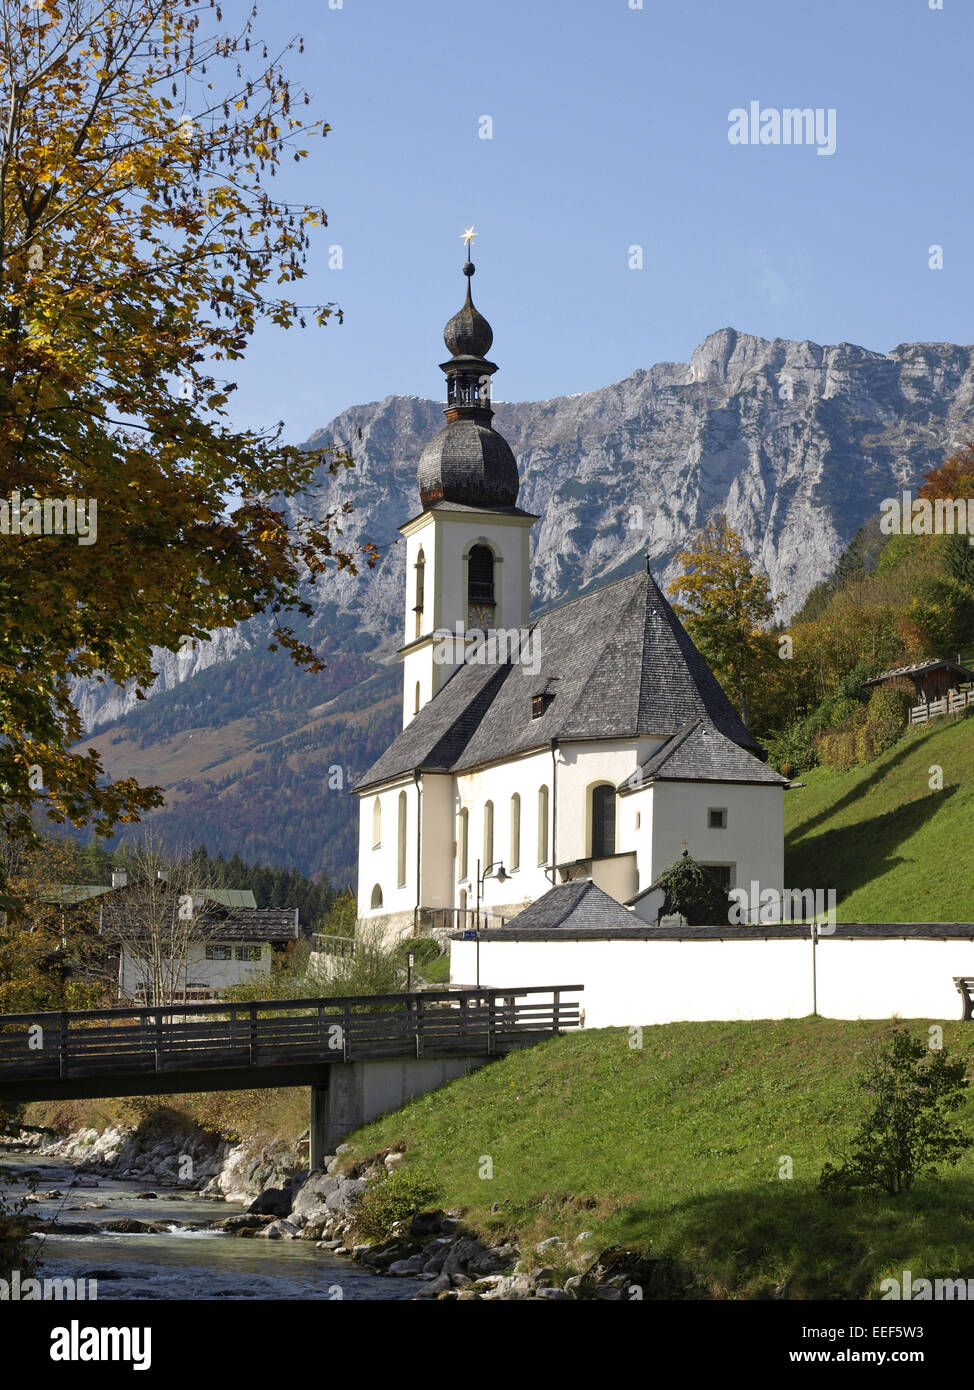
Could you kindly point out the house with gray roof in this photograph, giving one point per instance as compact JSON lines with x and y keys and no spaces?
{"x":587,"y":744}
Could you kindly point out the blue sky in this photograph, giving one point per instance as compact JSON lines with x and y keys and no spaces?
{"x":610,"y":130}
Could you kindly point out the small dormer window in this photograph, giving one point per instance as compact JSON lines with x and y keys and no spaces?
{"x":541,"y":699}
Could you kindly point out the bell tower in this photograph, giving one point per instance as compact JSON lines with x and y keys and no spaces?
{"x":467,"y":552}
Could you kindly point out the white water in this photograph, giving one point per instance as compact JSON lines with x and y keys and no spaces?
{"x":182,"y":1263}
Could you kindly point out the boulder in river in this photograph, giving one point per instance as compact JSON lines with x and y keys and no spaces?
{"x":128,"y":1226}
{"x":273,"y":1201}
{"x":241,"y":1224}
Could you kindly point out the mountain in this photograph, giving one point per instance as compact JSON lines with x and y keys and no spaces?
{"x":796,"y":443}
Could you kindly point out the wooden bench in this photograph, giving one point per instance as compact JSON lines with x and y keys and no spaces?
{"x":965,"y":988}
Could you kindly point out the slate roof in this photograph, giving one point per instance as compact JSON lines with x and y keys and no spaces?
{"x":624,"y":665}
{"x":699,"y":753}
{"x":231,"y":924}
{"x":572,"y":905}
{"x":252,"y":924}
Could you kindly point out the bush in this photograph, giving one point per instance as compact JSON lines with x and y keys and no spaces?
{"x":837,"y":749}
{"x":425,"y":949}
{"x":792,"y":751}
{"x":914,"y":1089}
{"x":399,"y":1197}
{"x":693,"y":891}
{"x":889,"y":714}
{"x":18,"y":1249}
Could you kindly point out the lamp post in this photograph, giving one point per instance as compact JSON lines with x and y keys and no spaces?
{"x":502,"y":876}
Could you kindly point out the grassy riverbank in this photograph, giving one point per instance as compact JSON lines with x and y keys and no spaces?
{"x":676,"y":1149}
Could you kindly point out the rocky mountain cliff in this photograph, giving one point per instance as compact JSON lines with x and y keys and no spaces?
{"x":797,"y":443}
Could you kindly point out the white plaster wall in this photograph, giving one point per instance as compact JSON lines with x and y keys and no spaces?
{"x":639,"y":982}
{"x":634,"y":831}
{"x":211,"y":974}
{"x":474,"y":789}
{"x":508,"y":538}
{"x":753,"y":839}
{"x":438,"y":841}
{"x":443,"y":538}
{"x":381,"y":865}
{"x":877,"y":979}
{"x":644,"y":982}
{"x":617,"y":876}
{"x":421,"y":537}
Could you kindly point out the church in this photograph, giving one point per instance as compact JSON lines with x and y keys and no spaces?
{"x":590,"y":742}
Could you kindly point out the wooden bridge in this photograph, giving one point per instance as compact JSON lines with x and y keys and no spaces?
{"x":389,"y":1047}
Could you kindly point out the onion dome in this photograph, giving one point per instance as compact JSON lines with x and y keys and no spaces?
{"x":468,"y":334}
{"x":468,"y":462}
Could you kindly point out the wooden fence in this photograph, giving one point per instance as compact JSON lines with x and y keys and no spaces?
{"x":952,"y":703}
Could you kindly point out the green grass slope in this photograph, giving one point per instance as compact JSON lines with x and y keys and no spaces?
{"x":894,"y":849}
{"x":676,"y":1150}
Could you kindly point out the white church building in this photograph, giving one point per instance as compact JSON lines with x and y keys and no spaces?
{"x":589,"y":742}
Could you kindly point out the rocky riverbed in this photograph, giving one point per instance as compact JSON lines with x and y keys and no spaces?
{"x":433,"y":1254}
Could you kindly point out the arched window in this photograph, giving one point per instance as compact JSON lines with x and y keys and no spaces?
{"x":463,"y":901}
{"x":416,"y":702}
{"x":376,"y":824}
{"x":515,"y":855}
{"x":463,"y":843}
{"x":420,"y":591}
{"x":603,"y":821}
{"x":401,"y":843}
{"x":488,"y":835}
{"x":376,"y":896}
{"x":480,"y":587}
{"x":542,"y":825}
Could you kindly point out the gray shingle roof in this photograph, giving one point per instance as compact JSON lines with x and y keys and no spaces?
{"x":572,"y":905}
{"x":699,"y":753}
{"x":225,"y":924}
{"x":624,"y":666}
{"x":252,"y":924}
{"x":920,"y":668}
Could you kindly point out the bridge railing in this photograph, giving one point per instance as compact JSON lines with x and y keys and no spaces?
{"x":184,"y":1037}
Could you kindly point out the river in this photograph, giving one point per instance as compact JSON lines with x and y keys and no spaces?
{"x":182,"y":1263}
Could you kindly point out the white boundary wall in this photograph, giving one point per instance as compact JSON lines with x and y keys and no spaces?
{"x":636,"y":981}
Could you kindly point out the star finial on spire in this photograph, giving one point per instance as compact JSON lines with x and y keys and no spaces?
{"x":469,"y":235}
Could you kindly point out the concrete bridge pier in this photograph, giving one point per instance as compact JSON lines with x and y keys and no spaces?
{"x":351,"y":1094}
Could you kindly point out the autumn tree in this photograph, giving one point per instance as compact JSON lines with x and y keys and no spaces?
{"x":724,"y":607}
{"x":50,"y":954}
{"x":140,"y":248}
{"x":947,"y":600}
{"x":158,"y":922}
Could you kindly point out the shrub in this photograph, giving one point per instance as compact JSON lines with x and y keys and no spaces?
{"x":914,"y":1090}
{"x":425,"y":949}
{"x":792,"y":751}
{"x":396,"y":1198}
{"x":889,"y":713}
{"x":693,"y":891}
{"x":838,"y":749}
{"x":18,"y":1249}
